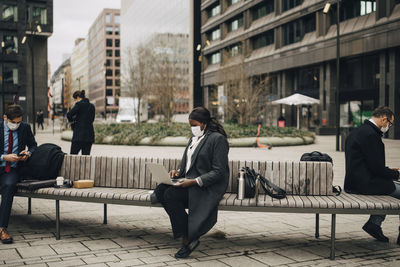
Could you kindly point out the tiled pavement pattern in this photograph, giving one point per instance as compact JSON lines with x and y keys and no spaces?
{"x":136,"y":236}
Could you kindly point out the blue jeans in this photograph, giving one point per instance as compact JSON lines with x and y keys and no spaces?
{"x":8,"y":182}
{"x":378,"y":219}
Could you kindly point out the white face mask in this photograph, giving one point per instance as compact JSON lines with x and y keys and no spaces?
{"x":385,"y":129}
{"x":196,"y":131}
{"x":13,"y":126}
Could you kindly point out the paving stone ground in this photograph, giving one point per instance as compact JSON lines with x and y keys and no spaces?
{"x":137,"y":236}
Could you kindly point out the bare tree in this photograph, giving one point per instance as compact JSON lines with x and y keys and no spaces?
{"x":138,"y":74}
{"x":245,"y":93}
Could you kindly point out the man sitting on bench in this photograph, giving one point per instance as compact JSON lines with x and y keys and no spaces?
{"x":366,"y":172}
{"x":16,"y":136}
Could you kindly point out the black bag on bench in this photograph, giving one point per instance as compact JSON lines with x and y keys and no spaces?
{"x":271,"y":189}
{"x":35,"y":184}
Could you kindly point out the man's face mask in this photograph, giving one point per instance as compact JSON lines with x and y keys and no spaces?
{"x":387,"y":127}
{"x":13,"y":125}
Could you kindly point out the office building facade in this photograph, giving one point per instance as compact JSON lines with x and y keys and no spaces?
{"x":79,"y":70}
{"x":291,"y":44}
{"x":24,"y":28}
{"x":104,"y":61}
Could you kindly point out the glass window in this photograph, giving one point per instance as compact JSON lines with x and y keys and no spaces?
{"x":235,"y":50}
{"x":109,"y":72}
{"x":213,"y":11}
{"x":9,"y":13}
{"x":116,"y":42}
{"x":109,"y":82}
{"x":232,"y":2}
{"x":216,"y":34}
{"x":39,"y":15}
{"x":117,"y":53}
{"x":294,"y":31}
{"x":117,"y":72}
{"x":109,"y":42}
{"x":9,"y":44}
{"x":108,"y":62}
{"x":116,"y":31}
{"x":117,"y":63}
{"x":117,"y":92}
{"x":109,"y":53}
{"x":116,"y":19}
{"x":109,"y":92}
{"x":109,"y":30}
{"x":263,"y":39}
{"x":353,"y":8}
{"x":263,"y":9}
{"x":10,"y":75}
{"x":235,"y":24}
{"x":108,"y":18}
{"x":215,"y":58}
{"x":117,"y":82}
{"x":289,"y":4}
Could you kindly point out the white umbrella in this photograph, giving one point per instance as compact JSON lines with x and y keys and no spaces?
{"x":297,"y":100}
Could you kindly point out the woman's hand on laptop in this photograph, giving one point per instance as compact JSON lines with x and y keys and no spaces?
{"x":186,"y":183}
{"x":173,"y":174}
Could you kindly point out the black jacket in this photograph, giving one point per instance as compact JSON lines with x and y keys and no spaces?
{"x":366,"y":172}
{"x":82,"y":116}
{"x":210,"y":162}
{"x":25,"y":138}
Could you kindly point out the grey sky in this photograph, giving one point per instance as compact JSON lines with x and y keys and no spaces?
{"x":72,"y":19}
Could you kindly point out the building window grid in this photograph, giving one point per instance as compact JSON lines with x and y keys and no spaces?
{"x":263,"y":9}
{"x":235,"y":24}
{"x":214,"y":11}
{"x":215,"y":34}
{"x":294,"y":31}
{"x":232,"y":2}
{"x":10,"y":44}
{"x":215,"y":58}
{"x":289,"y":4}
{"x":39,"y":15}
{"x":263,"y":40}
{"x":9,"y":13}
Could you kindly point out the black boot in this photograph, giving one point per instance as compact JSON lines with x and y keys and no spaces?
{"x":375,"y":231}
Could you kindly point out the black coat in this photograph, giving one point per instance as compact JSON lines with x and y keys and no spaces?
{"x":210,"y":162}
{"x":82,"y":116}
{"x":25,"y":139}
{"x":366,"y":172}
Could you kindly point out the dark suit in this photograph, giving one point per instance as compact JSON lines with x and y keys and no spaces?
{"x":366,"y":172}
{"x":210,"y":163}
{"x":9,"y":180}
{"x":82,"y":116}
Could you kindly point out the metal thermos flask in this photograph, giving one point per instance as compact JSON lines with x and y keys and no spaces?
{"x":241,"y":187}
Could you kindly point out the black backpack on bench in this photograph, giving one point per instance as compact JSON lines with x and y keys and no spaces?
{"x":42,"y":168}
{"x":318,"y":156}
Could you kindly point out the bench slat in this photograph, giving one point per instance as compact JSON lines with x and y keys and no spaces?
{"x":97,"y":171}
{"x":119,"y":172}
{"x":296,"y":178}
{"x":131,"y":173}
{"x":136,"y":177}
{"x":323,"y":179}
{"x":329,"y":178}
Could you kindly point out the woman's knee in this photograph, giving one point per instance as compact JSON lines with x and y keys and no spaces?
{"x":160,"y":191}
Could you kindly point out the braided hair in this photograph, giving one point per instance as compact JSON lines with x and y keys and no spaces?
{"x":202,"y":115}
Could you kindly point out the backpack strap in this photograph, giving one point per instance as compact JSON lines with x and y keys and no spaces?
{"x":270,"y":187}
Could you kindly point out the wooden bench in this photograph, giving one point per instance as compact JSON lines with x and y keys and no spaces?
{"x":126,"y":181}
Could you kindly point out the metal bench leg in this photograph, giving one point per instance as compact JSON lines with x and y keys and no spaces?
{"x":317,"y":225}
{"x":105,"y":214}
{"x":57,"y":219}
{"x":333,"y":230}
{"x":29,"y":206}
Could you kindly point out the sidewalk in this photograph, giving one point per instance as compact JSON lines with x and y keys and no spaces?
{"x":136,"y":236}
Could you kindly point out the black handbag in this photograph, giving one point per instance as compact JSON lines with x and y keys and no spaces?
{"x":271,"y":189}
{"x":250,"y":177}
{"x":31,"y":185}
{"x":318,"y":156}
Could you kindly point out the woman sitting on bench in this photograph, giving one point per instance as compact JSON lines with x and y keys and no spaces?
{"x":205,"y":167}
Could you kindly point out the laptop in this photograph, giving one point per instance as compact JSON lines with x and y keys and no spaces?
{"x":160,"y":174}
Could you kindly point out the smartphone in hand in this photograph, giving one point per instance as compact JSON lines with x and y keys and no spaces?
{"x":21,"y":154}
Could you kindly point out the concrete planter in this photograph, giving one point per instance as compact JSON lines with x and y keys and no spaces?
{"x":235,"y":142}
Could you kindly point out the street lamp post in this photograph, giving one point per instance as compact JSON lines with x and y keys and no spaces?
{"x":33,"y":30}
{"x":337,"y":92}
{"x":200,"y":49}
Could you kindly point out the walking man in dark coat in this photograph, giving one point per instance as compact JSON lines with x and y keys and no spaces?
{"x":366,"y":172}
{"x":81,"y":117}
{"x":16,"y":136}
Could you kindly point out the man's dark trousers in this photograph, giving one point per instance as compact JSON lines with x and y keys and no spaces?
{"x":78,"y":146}
{"x":8,"y":182}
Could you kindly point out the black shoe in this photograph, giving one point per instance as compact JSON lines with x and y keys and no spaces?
{"x":186,"y":250}
{"x":375,"y":231}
